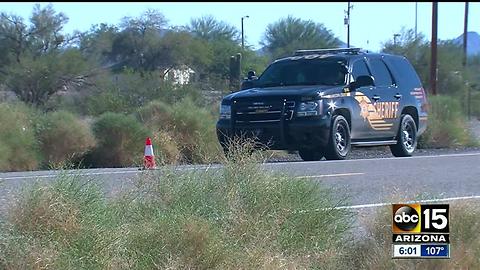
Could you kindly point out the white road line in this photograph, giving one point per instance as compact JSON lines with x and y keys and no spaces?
{"x":327,"y":175}
{"x":372,"y":159}
{"x":213,"y":166}
{"x":69,"y":174}
{"x":408,"y":202}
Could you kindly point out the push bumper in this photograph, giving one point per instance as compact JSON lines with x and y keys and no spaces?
{"x":295,"y":134}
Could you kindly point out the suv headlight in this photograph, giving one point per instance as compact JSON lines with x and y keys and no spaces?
{"x":225,"y":111}
{"x":309,"y":108}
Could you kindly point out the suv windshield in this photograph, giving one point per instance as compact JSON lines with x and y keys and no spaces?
{"x":303,"y":72}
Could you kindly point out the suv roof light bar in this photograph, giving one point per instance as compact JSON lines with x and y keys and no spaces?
{"x":325,"y":51}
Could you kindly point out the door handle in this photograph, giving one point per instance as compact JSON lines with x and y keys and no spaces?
{"x":376,"y":97}
{"x":398,"y":96}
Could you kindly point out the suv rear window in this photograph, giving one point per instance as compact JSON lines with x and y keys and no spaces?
{"x":303,"y":72}
{"x":401,"y":68}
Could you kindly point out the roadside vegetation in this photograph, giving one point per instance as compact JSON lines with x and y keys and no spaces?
{"x":241,"y":217}
{"x":73,"y":98}
{"x":238,"y":217}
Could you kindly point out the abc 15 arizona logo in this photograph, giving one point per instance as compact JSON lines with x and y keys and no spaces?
{"x":418,"y":218}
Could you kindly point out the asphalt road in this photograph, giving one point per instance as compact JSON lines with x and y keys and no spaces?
{"x":365,"y":182}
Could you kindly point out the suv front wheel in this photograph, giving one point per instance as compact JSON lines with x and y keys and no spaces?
{"x":339,"y":140}
{"x":406,"y":138}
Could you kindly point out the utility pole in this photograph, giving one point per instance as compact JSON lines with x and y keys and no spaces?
{"x":433,"y":60}
{"x":465,"y":34}
{"x":243,"y":40}
{"x":465,"y":39}
{"x":416,"y":16}
{"x":346,"y":21}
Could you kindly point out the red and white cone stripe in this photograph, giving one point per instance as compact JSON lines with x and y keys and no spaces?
{"x":149,"y":158}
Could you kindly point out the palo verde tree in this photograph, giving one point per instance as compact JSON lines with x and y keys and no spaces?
{"x":39,"y":62}
{"x":285,"y":36}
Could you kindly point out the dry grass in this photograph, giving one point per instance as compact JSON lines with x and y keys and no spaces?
{"x":241,"y":217}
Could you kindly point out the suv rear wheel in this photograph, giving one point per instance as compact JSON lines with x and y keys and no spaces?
{"x":310,"y":154}
{"x":339,"y":141}
{"x":406,"y":138}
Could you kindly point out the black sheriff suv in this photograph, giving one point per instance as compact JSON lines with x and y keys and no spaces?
{"x":322,"y":102}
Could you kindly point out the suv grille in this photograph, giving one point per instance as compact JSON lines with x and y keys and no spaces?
{"x":263,"y":111}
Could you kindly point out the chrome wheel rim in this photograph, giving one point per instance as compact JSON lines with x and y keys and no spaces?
{"x":340,"y":138}
{"x":408,"y":137}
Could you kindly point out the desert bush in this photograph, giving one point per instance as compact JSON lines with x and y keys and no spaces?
{"x":52,"y":223}
{"x":190,"y":127}
{"x":194,"y":129}
{"x":110,"y":100}
{"x":475,"y":104}
{"x":446,"y":124}
{"x":18,"y":145}
{"x":126,"y":91}
{"x":239,"y":217}
{"x":166,"y":148}
{"x":63,"y":137}
{"x":120,"y":141}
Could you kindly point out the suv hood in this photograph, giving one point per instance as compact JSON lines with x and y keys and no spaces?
{"x":285,"y":91}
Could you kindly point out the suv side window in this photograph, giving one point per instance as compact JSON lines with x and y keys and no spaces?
{"x":359,"y":68}
{"x":401,"y":68}
{"x":380,"y":72}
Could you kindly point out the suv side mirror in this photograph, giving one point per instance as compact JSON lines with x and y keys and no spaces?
{"x":251,"y":75}
{"x":361,"y":82}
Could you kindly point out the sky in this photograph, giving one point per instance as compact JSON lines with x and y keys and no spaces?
{"x":371,"y":24}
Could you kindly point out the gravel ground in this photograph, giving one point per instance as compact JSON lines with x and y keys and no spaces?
{"x":382,"y":152}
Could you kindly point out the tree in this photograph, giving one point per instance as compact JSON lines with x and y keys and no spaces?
{"x":210,"y":29}
{"x":285,"y":36}
{"x":45,"y":34}
{"x":97,"y":42}
{"x":35,"y":80}
{"x":137,"y":39}
{"x":42,"y":36}
{"x":38,"y":61}
{"x":451,"y":75}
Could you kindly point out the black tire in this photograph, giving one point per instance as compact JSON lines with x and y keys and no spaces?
{"x":338,"y":146}
{"x":406,"y":137}
{"x":310,"y":155}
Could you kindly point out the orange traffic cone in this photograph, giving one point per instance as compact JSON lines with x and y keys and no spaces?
{"x":149,"y":158}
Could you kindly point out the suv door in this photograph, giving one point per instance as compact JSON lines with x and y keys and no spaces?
{"x":385,"y":100}
{"x":362,"y":104}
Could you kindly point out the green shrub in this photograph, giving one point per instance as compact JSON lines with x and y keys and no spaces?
{"x":475,"y":104}
{"x":63,"y":137}
{"x":166,"y":148}
{"x":52,"y":223}
{"x":18,"y":146}
{"x":242,"y":217}
{"x":189,"y":126}
{"x":120,"y":141}
{"x":107,"y":101}
{"x":194,"y":129}
{"x":446,"y":124}
{"x":156,"y":115}
{"x":126,"y":91}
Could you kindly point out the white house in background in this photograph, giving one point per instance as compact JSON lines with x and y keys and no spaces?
{"x":182,"y":75}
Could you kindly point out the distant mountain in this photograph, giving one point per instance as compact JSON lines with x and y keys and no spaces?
{"x":473,"y":43}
